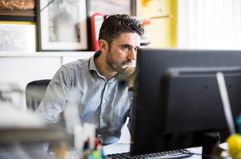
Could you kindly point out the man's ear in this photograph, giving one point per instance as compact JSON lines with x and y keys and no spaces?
{"x":103,"y":44}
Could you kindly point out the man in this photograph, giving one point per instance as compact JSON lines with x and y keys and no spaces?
{"x":93,"y":86}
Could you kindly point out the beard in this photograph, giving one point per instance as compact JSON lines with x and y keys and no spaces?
{"x":118,"y":67}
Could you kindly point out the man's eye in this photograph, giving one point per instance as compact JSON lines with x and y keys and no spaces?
{"x":125,"y":46}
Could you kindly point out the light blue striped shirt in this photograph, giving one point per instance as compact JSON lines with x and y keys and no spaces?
{"x":103,"y":102}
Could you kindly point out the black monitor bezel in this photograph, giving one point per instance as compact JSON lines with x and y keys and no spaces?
{"x":151,"y":65}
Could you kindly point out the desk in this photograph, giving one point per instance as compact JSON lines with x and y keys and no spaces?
{"x":124,"y":147}
{"x":123,"y":144}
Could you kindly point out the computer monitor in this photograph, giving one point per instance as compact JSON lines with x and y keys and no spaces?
{"x":177,"y":103}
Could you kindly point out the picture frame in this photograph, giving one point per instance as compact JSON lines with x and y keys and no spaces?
{"x":15,"y":15}
{"x":108,"y":7}
{"x":12,"y":39}
{"x":62,"y":25}
{"x":17,"y":10}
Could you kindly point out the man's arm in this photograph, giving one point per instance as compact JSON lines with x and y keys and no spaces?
{"x":56,"y":96}
{"x":131,"y":79}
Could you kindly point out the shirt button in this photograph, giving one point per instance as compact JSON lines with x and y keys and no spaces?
{"x":101,"y":121}
{"x":104,"y":101}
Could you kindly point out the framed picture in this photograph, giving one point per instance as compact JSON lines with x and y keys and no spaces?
{"x":112,"y":7}
{"x":17,"y":16}
{"x":62,"y":25}
{"x":17,"y":10}
{"x":17,"y":36}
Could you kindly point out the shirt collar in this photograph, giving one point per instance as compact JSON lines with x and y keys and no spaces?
{"x":92,"y":66}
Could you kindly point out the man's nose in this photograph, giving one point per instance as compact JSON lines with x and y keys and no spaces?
{"x":132,"y":54}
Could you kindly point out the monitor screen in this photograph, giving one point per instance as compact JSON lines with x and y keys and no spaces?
{"x":177,"y":99}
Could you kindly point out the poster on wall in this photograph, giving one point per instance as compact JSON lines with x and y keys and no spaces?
{"x":17,"y":10}
{"x":108,"y":7}
{"x":62,"y":25}
{"x":12,"y":38}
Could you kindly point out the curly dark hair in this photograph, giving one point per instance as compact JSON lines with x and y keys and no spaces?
{"x":116,"y":24}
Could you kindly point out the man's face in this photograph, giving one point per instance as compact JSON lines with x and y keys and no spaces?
{"x":122,"y":52}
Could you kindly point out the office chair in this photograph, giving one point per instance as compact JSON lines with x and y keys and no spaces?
{"x":34,"y":93}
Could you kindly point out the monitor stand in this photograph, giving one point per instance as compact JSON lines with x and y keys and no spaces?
{"x":210,"y":141}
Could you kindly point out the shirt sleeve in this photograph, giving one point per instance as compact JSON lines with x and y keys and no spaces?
{"x":55,"y":96}
{"x":131,"y":96}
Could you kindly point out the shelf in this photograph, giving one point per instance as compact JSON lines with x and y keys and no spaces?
{"x":11,"y":136}
{"x":47,"y":54}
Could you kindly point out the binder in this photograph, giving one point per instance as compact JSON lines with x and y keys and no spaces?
{"x":96,"y":20}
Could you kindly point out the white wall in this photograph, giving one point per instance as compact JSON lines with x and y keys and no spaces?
{"x":18,"y":69}
{"x":209,"y":24}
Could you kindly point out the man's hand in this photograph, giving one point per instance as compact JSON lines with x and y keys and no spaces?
{"x":130,"y":77}
{"x":127,"y":77}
